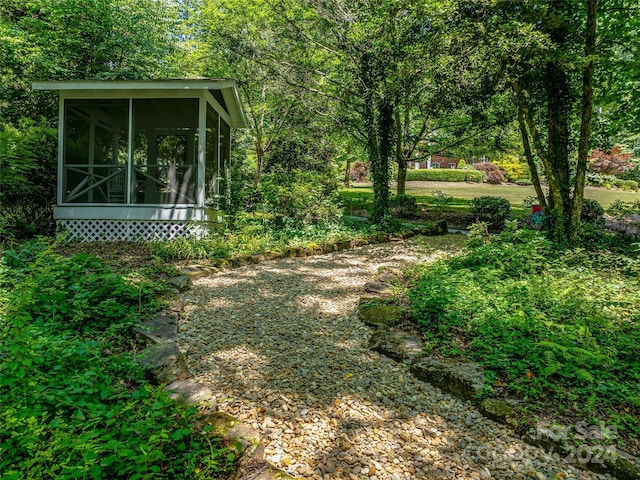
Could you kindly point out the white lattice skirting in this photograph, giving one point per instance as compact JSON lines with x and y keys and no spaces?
{"x":129,"y":230}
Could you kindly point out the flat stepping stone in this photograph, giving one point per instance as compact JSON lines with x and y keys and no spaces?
{"x":163,"y":327}
{"x":396,"y":344}
{"x":189,"y":392}
{"x":464,"y":379}
{"x":380,"y":288}
{"x":381,"y":315}
{"x":164,"y":363}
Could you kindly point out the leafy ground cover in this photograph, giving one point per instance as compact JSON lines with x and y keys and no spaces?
{"x":555,"y":329}
{"x":258,"y":233}
{"x":75,"y":404}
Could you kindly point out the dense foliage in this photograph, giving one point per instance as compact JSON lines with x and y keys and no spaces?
{"x":556,"y":327}
{"x":27,"y":179}
{"x":74,"y":402}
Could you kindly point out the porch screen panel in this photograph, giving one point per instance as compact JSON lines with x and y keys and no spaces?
{"x":212,"y":166}
{"x":164,"y":153}
{"x":225,"y":159}
{"x":95,"y":146}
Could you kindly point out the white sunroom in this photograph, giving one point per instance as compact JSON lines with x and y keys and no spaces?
{"x":143,"y":159}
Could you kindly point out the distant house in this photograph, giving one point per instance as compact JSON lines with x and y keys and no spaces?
{"x":143,"y":160}
{"x":437,"y":161}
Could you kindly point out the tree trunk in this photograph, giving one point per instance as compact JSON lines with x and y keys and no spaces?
{"x":385,"y":139}
{"x":585,"y":126}
{"x":533,"y":168}
{"x":259,"y":162}
{"x":400,"y":160}
{"x":347,"y":171}
{"x":558,"y":110}
{"x":402,"y":177}
{"x":378,"y":120}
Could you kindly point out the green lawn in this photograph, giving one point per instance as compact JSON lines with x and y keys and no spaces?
{"x":515,"y":194}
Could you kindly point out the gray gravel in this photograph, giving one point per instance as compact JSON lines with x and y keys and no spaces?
{"x":281,"y":345}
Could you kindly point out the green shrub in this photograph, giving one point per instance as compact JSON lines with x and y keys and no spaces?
{"x":631,"y":184}
{"x":620,"y":209}
{"x":599,"y":180}
{"x":512,"y":166}
{"x":462,"y":164}
{"x":633,"y":173}
{"x":592,"y":212}
{"x":306,"y":197}
{"x":523,"y":182}
{"x":618,"y":182}
{"x":404,"y":206}
{"x":493,"y":210}
{"x":444,"y":175}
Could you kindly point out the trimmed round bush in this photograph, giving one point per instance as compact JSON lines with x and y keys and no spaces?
{"x":631,"y":184}
{"x":493,"y":210}
{"x":404,"y":206}
{"x":444,"y":175}
{"x":592,"y":212}
{"x":462,"y":164}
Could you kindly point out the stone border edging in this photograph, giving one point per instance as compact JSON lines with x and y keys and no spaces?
{"x":165,"y":364}
{"x":465,"y":380}
{"x":195,"y":271}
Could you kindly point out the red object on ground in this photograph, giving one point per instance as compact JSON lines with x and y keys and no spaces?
{"x":535,"y":209}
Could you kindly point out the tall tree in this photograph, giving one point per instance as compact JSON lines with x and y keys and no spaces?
{"x":549,"y":50}
{"x":79,"y":40}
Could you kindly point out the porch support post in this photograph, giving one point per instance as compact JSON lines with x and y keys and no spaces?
{"x":202,"y":149}
{"x":62,"y":180}
{"x":129,"y":181}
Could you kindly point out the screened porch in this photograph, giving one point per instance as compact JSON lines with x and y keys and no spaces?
{"x":143,"y":151}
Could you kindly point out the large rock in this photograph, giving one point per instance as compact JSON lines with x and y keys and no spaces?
{"x":181,"y":282}
{"x":229,"y":428}
{"x":189,"y":391}
{"x":163,"y":327}
{"x":197,"y":271}
{"x":463,"y":379}
{"x":380,"y":288}
{"x":499,"y":411}
{"x":396,"y":344}
{"x":164,"y":363}
{"x":257,"y":469}
{"x":381,"y":315}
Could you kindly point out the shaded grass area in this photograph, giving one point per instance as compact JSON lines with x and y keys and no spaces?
{"x":75,"y":403}
{"x":555,"y":329}
{"x":464,"y":192}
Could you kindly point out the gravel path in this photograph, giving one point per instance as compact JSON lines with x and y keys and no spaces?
{"x":282,"y":346}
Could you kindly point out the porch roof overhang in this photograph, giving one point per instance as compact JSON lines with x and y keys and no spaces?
{"x":227,"y":87}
